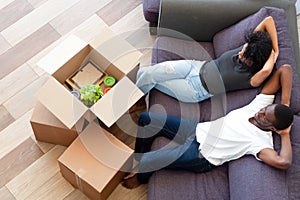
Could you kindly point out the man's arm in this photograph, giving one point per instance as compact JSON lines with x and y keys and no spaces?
{"x":282,"y":78}
{"x":283,"y":160}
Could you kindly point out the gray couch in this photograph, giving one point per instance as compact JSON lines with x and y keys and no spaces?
{"x":203,"y":30}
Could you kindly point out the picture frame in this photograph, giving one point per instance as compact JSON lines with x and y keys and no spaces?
{"x":89,"y":73}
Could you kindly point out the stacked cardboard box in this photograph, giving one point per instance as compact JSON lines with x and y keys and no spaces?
{"x":96,"y":161}
{"x":48,"y":128}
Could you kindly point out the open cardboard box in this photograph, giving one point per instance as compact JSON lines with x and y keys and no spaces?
{"x":113,"y":54}
{"x":95,"y":162}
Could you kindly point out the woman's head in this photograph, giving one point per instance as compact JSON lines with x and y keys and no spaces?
{"x":257,"y":49}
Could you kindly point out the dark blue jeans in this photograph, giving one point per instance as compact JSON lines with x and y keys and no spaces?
{"x":184,"y":156}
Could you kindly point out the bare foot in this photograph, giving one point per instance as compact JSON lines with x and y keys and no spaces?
{"x":130,"y":181}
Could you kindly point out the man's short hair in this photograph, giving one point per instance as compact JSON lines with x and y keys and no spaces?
{"x":259,"y":48}
{"x":284,"y":117}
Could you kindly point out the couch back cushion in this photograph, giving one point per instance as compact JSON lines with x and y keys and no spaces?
{"x":233,"y":37}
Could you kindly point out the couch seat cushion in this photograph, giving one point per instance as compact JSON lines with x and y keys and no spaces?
{"x":210,"y":185}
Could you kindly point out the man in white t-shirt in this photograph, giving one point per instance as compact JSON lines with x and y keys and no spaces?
{"x":244,"y":131}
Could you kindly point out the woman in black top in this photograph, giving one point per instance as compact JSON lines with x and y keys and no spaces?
{"x":194,"y":81}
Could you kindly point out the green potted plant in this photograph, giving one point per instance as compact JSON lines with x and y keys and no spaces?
{"x":90,"y":94}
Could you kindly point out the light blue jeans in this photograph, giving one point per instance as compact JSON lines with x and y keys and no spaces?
{"x":179,"y":79}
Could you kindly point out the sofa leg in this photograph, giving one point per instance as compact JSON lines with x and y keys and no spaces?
{"x":153,"y":28}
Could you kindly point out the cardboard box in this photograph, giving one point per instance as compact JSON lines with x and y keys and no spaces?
{"x":47,"y":128}
{"x":113,"y":55}
{"x":95,"y":162}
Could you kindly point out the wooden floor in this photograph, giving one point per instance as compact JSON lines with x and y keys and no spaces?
{"x":29,"y":29}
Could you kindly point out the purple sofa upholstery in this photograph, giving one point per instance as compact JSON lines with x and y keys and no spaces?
{"x":245,"y":178}
{"x":151,"y":10}
{"x":151,"y":13}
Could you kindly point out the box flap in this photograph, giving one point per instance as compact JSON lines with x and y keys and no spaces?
{"x":116,"y":50}
{"x":61,"y":54}
{"x":58,"y":100}
{"x":105,"y":147}
{"x":96,"y":156}
{"x":117,"y":101}
{"x":42,"y":115}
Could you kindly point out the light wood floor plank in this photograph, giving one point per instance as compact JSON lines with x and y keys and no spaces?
{"x":24,"y":100}
{"x":4,"y":45}
{"x":44,"y":146}
{"x":36,"y":175}
{"x":86,"y":31}
{"x":76,"y":195}
{"x":4,"y":3}
{"x":142,"y":40}
{"x":37,"y":3}
{"x":35,"y":20}
{"x":146,"y":59}
{"x":16,"y":133}
{"x":23,"y":51}
{"x":16,"y":81}
{"x":118,"y":11}
{"x":32,"y":62}
{"x":5,"y":194}
{"x":6,"y":118}
{"x":76,"y":15}
{"x":89,"y":29}
{"x":17,"y":160}
{"x":130,"y":22}
{"x":55,"y":188}
{"x":19,"y":8}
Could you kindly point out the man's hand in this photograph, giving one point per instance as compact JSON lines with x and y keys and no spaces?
{"x":283,"y":160}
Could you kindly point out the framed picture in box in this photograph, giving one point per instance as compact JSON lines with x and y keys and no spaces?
{"x":89,"y":73}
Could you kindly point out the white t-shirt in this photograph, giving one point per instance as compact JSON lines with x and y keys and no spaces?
{"x":233,"y":136}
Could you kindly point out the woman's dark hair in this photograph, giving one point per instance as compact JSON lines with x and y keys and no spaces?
{"x":259,"y":48}
{"x":284,"y":117}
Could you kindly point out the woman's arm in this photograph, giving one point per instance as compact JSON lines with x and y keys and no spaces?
{"x":258,"y":78}
{"x":268,"y":25}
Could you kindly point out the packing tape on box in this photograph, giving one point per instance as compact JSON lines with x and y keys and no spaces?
{"x":78,"y":179}
{"x":78,"y":182}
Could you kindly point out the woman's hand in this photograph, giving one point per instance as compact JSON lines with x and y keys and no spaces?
{"x":285,"y":131}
